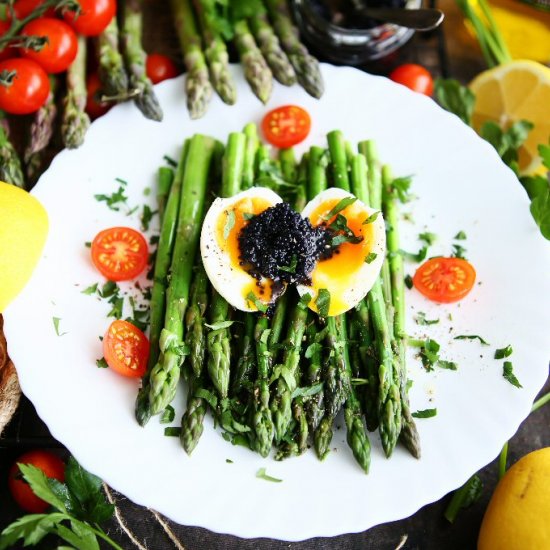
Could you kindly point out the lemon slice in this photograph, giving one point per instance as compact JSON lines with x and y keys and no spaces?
{"x":519,"y":90}
{"x":23,"y":232}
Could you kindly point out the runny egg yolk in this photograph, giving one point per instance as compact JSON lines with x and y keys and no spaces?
{"x":340,"y":271}
{"x":228,"y":226}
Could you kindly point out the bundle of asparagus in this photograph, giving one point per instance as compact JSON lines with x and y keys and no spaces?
{"x":277,"y":378}
{"x":265,"y":51}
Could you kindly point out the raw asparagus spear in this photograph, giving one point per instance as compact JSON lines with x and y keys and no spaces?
{"x":256,"y":70}
{"x":10,"y":164}
{"x":165,"y":374}
{"x":135,"y":57}
{"x":163,"y":260}
{"x":409,"y":434}
{"x":197,"y":83}
{"x":306,"y":66}
{"x":218,"y":341}
{"x":216,"y":54}
{"x":271,"y":49}
{"x":112,"y":74}
{"x":41,"y":132}
{"x":75,"y":121}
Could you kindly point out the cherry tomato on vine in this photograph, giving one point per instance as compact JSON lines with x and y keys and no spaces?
{"x":445,"y":280}
{"x":160,"y":67}
{"x":60,"y":50}
{"x":23,"y":8}
{"x":286,"y":126}
{"x":27,"y":90}
{"x":20,"y":490}
{"x":94,"y":16}
{"x":126,"y":349}
{"x":415,"y":77}
{"x":120,"y":253}
{"x":94,"y":107}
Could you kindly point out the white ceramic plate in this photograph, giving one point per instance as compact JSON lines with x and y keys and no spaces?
{"x":461,"y":185}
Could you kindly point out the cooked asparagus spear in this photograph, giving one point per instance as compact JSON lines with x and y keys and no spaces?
{"x":216,"y":54}
{"x":112,"y":74}
{"x":256,"y":70}
{"x":164,"y":184}
{"x":75,"y":121}
{"x":135,"y":57}
{"x":10,"y":164}
{"x":197,"y":83}
{"x":306,"y":66}
{"x":252,"y":143}
{"x":271,"y":49}
{"x":165,"y":374}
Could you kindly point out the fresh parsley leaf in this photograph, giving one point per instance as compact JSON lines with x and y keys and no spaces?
{"x":307,"y":391}
{"x":146,"y":217}
{"x":459,"y":251}
{"x":292,"y":267}
{"x":40,"y":486}
{"x":115,"y":200}
{"x":110,"y":288}
{"x":219,"y":325}
{"x":341,"y":205}
{"x":261,"y":473}
{"x":540,"y":210}
{"x":323,"y":302}
{"x":544,"y":152}
{"x":56,"y":321}
{"x":253,"y":299}
{"x":247,"y":216}
{"x":172,"y":431}
{"x":101,"y":363}
{"x":421,"y":319}
{"x":118,"y":305}
{"x":428,"y":238}
{"x":508,"y":373}
{"x":449,"y":365}
{"x":208,"y":396}
{"x":408,"y":281}
{"x":503,"y":352}
{"x":270,"y":175}
{"x":337,"y":240}
{"x":401,"y":187}
{"x":229,"y":224}
{"x":88,"y":244}
{"x":472,"y":337}
{"x":313,"y":349}
{"x":90,"y":290}
{"x":168,"y":415}
{"x":371,"y":218}
{"x":429,"y":353}
{"x":31,"y":528}
{"x":420,"y":256}
{"x":371,"y":256}
{"x":460,"y":236}
{"x":426,"y":413}
{"x":454,"y":97}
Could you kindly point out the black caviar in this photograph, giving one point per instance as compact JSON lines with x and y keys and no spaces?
{"x":281,"y":245}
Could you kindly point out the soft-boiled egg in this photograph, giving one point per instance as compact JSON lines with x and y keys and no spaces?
{"x":354,"y":266}
{"x":220,"y":248}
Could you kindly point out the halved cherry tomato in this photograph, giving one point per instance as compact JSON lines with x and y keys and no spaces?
{"x":29,"y":88}
{"x":94,"y":107}
{"x":20,"y":490}
{"x":415,"y":77}
{"x":286,"y":126}
{"x":445,"y":280}
{"x":93,"y":18}
{"x":160,"y":67}
{"x":120,"y":253}
{"x":126,"y":349}
{"x":59,"y":51}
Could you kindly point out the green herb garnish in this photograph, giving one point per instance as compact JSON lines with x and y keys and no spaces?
{"x":371,"y":218}
{"x":229,"y":224}
{"x":472,"y":337}
{"x":421,"y":319}
{"x":168,"y":415}
{"x":371,"y":256}
{"x":426,"y":413}
{"x":503,"y":352}
{"x":253,"y":299}
{"x":101,"y":363}
{"x":219,"y":325}
{"x":172,"y":431}
{"x":458,"y":252}
{"x":508,"y":373}
{"x":342,"y":205}
{"x":92,"y":289}
{"x":323,"y":302}
{"x":464,"y":497}
{"x":408,"y":281}
{"x":420,"y":256}
{"x":292,"y":267}
{"x":56,"y":321}
{"x":460,"y":236}
{"x":146,"y":217}
{"x":261,"y":473}
{"x":169,"y":160}
{"x":428,"y":238}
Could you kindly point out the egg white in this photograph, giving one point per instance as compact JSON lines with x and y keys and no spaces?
{"x":228,"y":279}
{"x":362,"y":280}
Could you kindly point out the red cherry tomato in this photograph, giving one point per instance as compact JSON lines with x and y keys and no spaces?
{"x":415,"y":77}
{"x":120,"y":253}
{"x":126,"y":349}
{"x":94,"y":107}
{"x":6,"y":52}
{"x":29,"y":87}
{"x":286,"y":126}
{"x":94,"y":17}
{"x":20,"y":490}
{"x":160,"y":67}
{"x":60,"y":50}
{"x":23,"y":8}
{"x":445,"y":280}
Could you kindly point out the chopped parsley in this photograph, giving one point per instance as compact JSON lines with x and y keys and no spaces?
{"x":371,"y":218}
{"x":401,"y":187}
{"x":247,"y":216}
{"x":426,"y":413}
{"x":101,"y":363}
{"x":88,"y":244}
{"x":92,"y":289}
{"x":340,"y":224}
{"x":428,"y":238}
{"x":146,"y":217}
{"x":169,"y":160}
{"x":342,"y":205}
{"x":503,"y":352}
{"x":421,"y":319}
{"x":172,"y":431}
{"x":229,"y":224}
{"x":508,"y":373}
{"x":219,"y":325}
{"x":472,"y":337}
{"x":323,"y":302}
{"x":420,"y":256}
{"x":458,"y":252}
{"x":460,"y":236}
{"x":253,"y":299}
{"x":229,"y":461}
{"x":408,"y":281}
{"x":168,"y":415}
{"x":292,"y":267}
{"x":371,"y":256}
{"x":115,"y":200}
{"x":56,"y":321}
{"x":307,"y":391}
{"x":261,"y":474}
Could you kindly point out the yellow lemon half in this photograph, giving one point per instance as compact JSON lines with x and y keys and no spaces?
{"x":519,"y":90}
{"x":23,"y":232}
{"x":518,"y":515}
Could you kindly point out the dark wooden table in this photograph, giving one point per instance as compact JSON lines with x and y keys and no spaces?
{"x":427,"y":529}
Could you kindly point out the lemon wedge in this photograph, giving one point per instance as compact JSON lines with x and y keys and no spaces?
{"x":518,"y":90}
{"x":23,"y":232}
